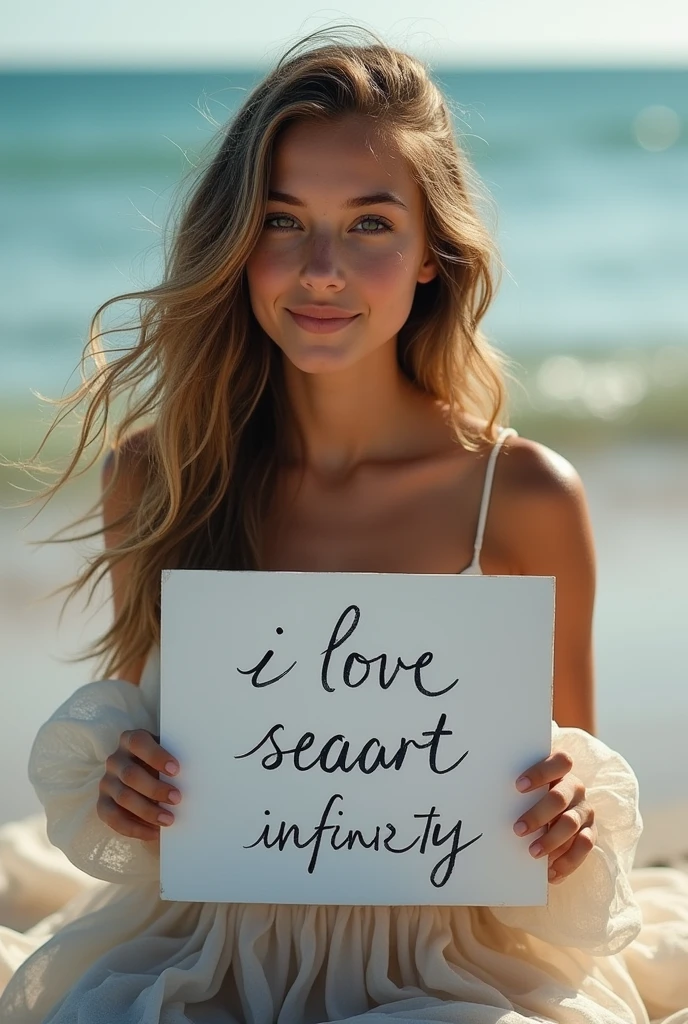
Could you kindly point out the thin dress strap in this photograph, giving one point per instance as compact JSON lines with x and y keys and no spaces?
{"x":487,"y":490}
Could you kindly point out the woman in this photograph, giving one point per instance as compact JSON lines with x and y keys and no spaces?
{"x":322,"y":399}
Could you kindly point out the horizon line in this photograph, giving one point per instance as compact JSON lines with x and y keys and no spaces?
{"x":443,"y":63}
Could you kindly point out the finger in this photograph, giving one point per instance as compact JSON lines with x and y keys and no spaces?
{"x":561,"y":850}
{"x":124,"y":823}
{"x":557,"y":800}
{"x":562,"y":831}
{"x":583,"y":844}
{"x":144,"y":746}
{"x":551,"y":769}
{"x":136,"y":804}
{"x":136,"y":777}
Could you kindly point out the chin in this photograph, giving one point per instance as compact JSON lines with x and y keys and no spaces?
{"x":316,"y":359}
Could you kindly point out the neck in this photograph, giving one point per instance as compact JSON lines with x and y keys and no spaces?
{"x":366,"y":412}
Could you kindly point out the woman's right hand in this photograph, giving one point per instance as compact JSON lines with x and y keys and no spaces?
{"x":130,"y":792}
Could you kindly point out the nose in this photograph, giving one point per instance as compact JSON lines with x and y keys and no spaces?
{"x":321,"y":263}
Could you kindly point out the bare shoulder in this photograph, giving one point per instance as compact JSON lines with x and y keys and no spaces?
{"x":528,"y":471}
{"x":531,"y":470}
{"x":132,"y":458}
{"x":540,"y":506}
{"x":124,"y":475}
{"x":542,"y":522}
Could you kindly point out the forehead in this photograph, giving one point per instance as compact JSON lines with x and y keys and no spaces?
{"x":352,"y":157}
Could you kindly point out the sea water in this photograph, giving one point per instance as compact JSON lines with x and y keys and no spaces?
{"x":586,"y":173}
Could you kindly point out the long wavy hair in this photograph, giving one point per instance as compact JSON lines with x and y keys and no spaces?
{"x":205,"y":377}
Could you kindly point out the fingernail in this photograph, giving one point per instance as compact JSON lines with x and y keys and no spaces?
{"x":523,"y":783}
{"x":536,"y":849}
{"x":174,"y":796}
{"x":165,"y":818}
{"x":171,"y":768}
{"x":520,"y":828}
{"x":554,"y":878}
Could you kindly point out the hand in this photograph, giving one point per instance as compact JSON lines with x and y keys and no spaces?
{"x":130,"y":792}
{"x":570,"y":818}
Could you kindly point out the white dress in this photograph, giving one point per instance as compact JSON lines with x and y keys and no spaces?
{"x":611,"y":946}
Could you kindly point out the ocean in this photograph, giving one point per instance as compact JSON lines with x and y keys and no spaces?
{"x":587,"y":171}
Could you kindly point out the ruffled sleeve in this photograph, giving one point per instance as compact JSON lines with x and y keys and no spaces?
{"x":594,"y":908}
{"x":66,"y":764}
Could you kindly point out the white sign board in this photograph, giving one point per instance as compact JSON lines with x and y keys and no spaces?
{"x":354,"y":738}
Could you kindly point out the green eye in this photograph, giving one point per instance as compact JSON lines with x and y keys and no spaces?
{"x":278,"y":216}
{"x":380,"y":224}
{"x":378,"y":221}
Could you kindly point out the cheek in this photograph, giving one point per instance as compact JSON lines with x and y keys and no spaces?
{"x":390,"y":272}
{"x":391,"y":265}
{"x":266,"y":270}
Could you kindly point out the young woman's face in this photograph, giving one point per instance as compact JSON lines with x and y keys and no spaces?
{"x":343,"y":234}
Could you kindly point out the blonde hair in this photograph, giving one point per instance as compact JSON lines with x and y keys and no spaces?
{"x":207,"y":376}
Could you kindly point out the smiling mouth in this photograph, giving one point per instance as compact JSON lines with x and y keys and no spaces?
{"x":322,"y":325}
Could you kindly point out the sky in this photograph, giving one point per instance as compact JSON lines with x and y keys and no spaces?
{"x":214,"y":33}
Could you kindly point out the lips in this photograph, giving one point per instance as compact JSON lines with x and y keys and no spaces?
{"x":325,"y":322}
{"x":323,"y":312}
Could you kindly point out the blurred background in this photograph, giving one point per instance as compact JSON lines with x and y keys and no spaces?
{"x":576,"y":120}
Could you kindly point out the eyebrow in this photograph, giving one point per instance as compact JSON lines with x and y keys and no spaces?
{"x":374,"y":199}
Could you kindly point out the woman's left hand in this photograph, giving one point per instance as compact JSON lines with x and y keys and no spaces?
{"x":571,"y":832}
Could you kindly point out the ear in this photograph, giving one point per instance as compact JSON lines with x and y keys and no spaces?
{"x":428,"y":269}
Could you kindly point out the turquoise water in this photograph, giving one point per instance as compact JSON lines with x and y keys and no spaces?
{"x":587,"y":171}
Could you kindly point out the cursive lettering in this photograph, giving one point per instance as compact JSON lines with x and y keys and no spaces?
{"x":254,"y":672}
{"x":335,"y":753}
{"x":429,"y":839}
{"x":344,"y":628}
